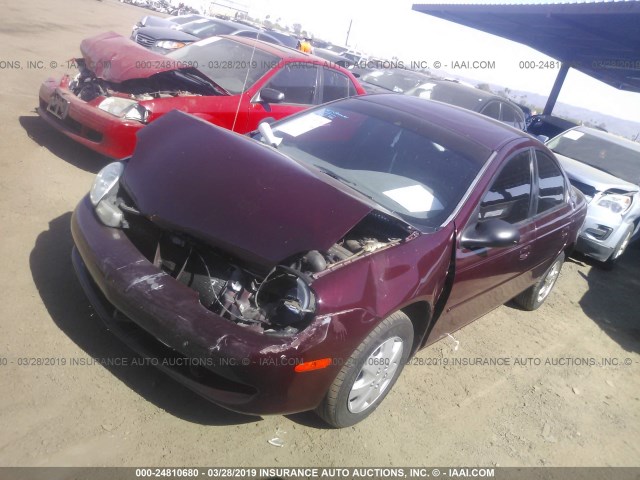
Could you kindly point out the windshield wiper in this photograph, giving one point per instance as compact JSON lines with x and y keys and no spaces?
{"x":197,"y":76}
{"x":346,"y":181}
{"x":353,"y":185}
{"x":340,"y":178}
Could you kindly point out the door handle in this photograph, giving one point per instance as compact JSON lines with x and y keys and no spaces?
{"x":525,"y":252}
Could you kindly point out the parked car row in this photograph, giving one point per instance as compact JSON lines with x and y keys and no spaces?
{"x":169,"y":22}
{"x":418,"y":84}
{"x":292,"y":240}
{"x":230,"y":81}
{"x":164,"y":39}
{"x":163,"y":6}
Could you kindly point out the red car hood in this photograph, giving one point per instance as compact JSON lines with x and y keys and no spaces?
{"x":234,"y":193}
{"x":115,"y":58}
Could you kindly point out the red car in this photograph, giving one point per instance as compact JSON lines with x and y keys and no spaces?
{"x":232,"y":82}
{"x":300,"y":269}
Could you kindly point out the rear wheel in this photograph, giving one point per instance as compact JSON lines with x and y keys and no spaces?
{"x":370,"y":372}
{"x":534,"y":296}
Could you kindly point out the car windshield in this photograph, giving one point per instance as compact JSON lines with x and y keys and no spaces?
{"x":413,"y":168}
{"x":395,"y":81}
{"x":232,"y":65}
{"x":205,"y":28}
{"x":610,"y":156}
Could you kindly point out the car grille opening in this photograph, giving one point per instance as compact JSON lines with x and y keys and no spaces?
{"x":600,"y":233}
{"x":144,"y":40}
{"x":159,"y":354}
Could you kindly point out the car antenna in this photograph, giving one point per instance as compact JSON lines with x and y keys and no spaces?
{"x":244,"y":86}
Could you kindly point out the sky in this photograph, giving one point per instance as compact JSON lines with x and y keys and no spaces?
{"x":390,"y":28}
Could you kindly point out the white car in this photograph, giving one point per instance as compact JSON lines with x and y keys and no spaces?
{"x":606,"y":169}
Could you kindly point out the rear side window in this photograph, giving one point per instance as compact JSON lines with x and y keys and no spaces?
{"x":509,"y":197}
{"x":492,"y":110}
{"x":511,"y":116}
{"x":551,"y":183}
{"x":336,"y":85}
{"x":298,"y":82}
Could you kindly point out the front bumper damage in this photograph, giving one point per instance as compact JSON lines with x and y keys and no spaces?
{"x":85,"y":123}
{"x":601,"y":232}
{"x":162,"y":319}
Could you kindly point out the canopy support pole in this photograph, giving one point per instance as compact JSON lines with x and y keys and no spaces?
{"x":555,"y":91}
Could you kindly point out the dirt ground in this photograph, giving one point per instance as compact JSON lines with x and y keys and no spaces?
{"x":564,"y":408}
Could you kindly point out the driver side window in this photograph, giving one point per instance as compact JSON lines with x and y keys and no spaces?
{"x":298,"y":82}
{"x":509,"y":197}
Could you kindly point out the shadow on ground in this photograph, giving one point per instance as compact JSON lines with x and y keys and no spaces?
{"x":62,"y":146}
{"x":53,"y":275}
{"x":612,"y":298}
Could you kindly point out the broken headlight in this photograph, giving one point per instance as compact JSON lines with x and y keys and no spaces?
{"x":103,"y":194}
{"x":124,"y":108}
{"x":286,"y":295}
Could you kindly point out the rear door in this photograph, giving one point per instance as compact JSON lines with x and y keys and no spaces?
{"x":552,"y":211}
{"x":335,"y":85}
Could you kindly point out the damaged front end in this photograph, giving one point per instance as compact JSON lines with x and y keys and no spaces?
{"x":279,"y":301}
{"x":118,"y":89}
{"x":122,"y":99}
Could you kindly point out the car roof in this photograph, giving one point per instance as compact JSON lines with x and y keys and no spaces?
{"x":478,"y":93}
{"x":483,"y":130}
{"x":609,"y":137}
{"x":283,"y":37}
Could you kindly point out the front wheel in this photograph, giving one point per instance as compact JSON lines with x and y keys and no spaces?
{"x":534,"y":296}
{"x":619,"y":250}
{"x":370,"y":372}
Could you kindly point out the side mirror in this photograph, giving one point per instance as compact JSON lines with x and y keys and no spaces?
{"x":490,"y":233}
{"x":270,"y":95}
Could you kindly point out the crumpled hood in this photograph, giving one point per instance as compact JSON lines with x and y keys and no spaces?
{"x":115,"y":58}
{"x":234,"y":193}
{"x":154,"y":21}
{"x":601,"y":181}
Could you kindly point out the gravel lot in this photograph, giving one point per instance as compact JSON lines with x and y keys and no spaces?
{"x":90,"y":415}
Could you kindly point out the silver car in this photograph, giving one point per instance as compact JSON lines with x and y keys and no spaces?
{"x":606,"y":169}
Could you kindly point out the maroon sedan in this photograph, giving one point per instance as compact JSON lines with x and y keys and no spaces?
{"x":300,"y":269}
{"x":233,"y":82}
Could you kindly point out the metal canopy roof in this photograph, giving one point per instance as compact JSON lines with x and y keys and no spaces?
{"x":599,"y":39}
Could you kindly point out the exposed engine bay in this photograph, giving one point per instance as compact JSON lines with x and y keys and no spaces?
{"x":280,"y":302}
{"x":173,"y":83}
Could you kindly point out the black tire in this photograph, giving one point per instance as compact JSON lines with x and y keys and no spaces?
{"x":393,"y":332}
{"x":534,"y":296}
{"x":621,"y":247}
